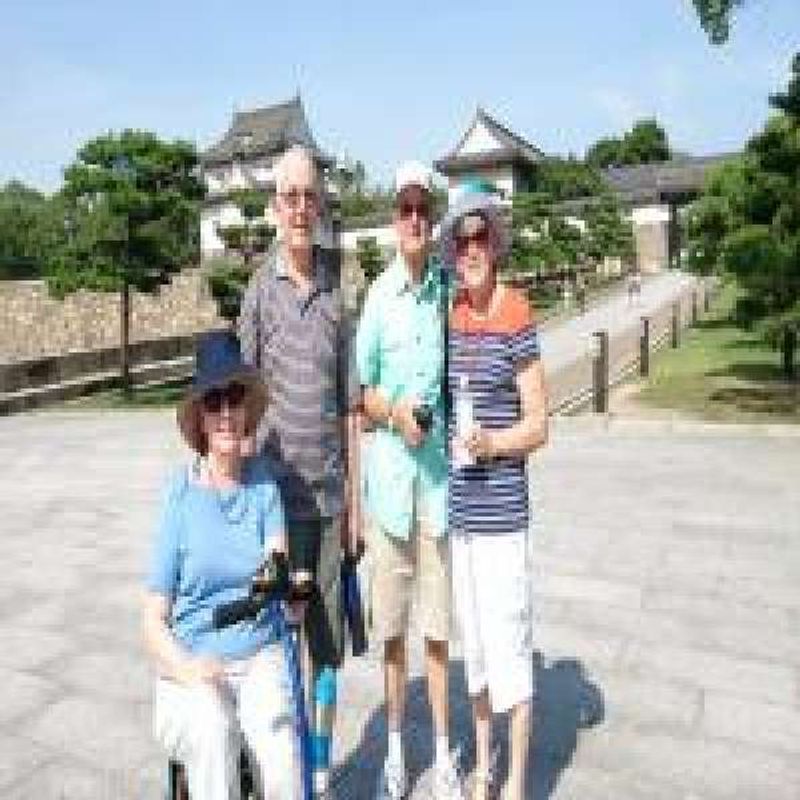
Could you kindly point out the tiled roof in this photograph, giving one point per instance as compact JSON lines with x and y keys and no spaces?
{"x":513,"y":148}
{"x":653,"y":182}
{"x":264,"y":132}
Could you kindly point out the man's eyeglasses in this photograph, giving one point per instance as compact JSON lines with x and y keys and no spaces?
{"x":407,"y":210}
{"x":294,"y":197}
{"x":232,"y":395}
{"x":480,"y":237}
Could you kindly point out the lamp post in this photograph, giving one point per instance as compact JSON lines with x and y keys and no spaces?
{"x":123,"y":168}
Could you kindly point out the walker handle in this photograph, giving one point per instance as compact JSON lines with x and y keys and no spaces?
{"x":233,"y":612}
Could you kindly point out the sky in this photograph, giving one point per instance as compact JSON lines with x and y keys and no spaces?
{"x":382,"y":82}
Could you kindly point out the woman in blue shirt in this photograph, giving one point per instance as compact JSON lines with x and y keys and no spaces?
{"x":219,"y":689}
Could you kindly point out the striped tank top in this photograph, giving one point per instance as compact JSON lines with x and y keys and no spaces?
{"x":490,"y":497}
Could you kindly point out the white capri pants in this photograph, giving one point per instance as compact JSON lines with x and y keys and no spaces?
{"x":492,"y":599}
{"x":204,"y":727}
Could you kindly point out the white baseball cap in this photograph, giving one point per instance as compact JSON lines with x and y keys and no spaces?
{"x":413,"y":173}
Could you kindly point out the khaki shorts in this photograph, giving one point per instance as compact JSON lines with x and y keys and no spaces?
{"x":404,"y":571}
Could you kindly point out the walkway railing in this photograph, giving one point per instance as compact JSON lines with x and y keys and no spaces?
{"x":41,"y":381}
{"x":610,"y":360}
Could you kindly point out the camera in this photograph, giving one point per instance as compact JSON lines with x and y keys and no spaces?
{"x":423,"y":416}
{"x":273,"y":581}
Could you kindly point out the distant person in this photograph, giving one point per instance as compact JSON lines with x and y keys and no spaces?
{"x":400,"y":359}
{"x":221,"y":515}
{"x":634,"y":287}
{"x":498,"y":419}
{"x":580,"y":292}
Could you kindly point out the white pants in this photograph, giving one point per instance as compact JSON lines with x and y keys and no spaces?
{"x":491,"y":590}
{"x":204,"y":726}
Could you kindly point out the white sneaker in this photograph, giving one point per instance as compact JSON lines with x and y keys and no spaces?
{"x":484,"y":782}
{"x":321,"y":786}
{"x":391,"y":782}
{"x":447,"y":781}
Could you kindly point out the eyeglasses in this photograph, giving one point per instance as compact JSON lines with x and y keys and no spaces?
{"x":407,"y":210}
{"x":481,"y":239}
{"x":294,"y":197}
{"x":232,"y":395}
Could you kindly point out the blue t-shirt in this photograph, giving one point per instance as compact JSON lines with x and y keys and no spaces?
{"x":209,"y":543}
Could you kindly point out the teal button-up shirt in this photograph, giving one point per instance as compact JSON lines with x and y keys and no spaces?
{"x":400,"y":351}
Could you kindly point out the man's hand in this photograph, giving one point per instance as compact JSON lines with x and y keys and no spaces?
{"x":200,"y":669}
{"x":295,"y":611}
{"x":404,"y":422}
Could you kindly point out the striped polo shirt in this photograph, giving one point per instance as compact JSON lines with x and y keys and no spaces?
{"x":301,"y":345}
{"x":490,"y":497}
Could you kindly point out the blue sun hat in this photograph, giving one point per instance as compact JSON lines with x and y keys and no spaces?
{"x":218,"y":363}
{"x":474,"y":197}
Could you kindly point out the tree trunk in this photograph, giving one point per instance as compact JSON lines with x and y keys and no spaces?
{"x":788,"y":348}
{"x":124,"y":330}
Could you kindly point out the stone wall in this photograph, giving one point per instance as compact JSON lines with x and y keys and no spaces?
{"x":33,"y":324}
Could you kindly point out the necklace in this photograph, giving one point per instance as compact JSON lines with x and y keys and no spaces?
{"x":232,"y":501}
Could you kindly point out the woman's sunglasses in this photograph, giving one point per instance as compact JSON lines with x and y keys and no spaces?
{"x":481,"y":238}
{"x":232,"y":395}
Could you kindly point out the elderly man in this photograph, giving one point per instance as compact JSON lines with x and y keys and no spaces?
{"x":293,"y":328}
{"x":400,"y":361}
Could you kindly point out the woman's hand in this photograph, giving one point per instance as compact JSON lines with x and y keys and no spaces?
{"x":199,"y":669}
{"x":480,"y":443}
{"x":296,"y":611}
{"x":170,"y":656}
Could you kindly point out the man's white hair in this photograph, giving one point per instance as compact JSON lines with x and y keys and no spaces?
{"x":296,"y":154}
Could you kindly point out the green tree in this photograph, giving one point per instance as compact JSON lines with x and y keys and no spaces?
{"x":228,"y":275}
{"x":357,"y":200}
{"x":23,"y":217}
{"x":349,"y":177}
{"x":550,"y":246}
{"x":747,"y":225}
{"x":716,"y":212}
{"x":127,"y":218}
{"x":370,"y":258}
{"x":608,"y":233}
{"x":544,"y":243}
{"x":644,"y":143}
{"x":227,"y":280}
{"x":606,"y":152}
{"x":715,"y":17}
{"x":567,"y":178}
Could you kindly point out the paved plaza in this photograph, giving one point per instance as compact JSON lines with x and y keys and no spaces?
{"x":667,"y":563}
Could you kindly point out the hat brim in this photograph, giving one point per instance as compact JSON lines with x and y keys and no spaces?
{"x":473,"y":203}
{"x":189,"y":410}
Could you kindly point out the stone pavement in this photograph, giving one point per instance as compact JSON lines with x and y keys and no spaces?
{"x":565,"y":340}
{"x":667,"y":564}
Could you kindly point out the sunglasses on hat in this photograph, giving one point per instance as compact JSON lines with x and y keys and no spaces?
{"x":232,"y":395}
